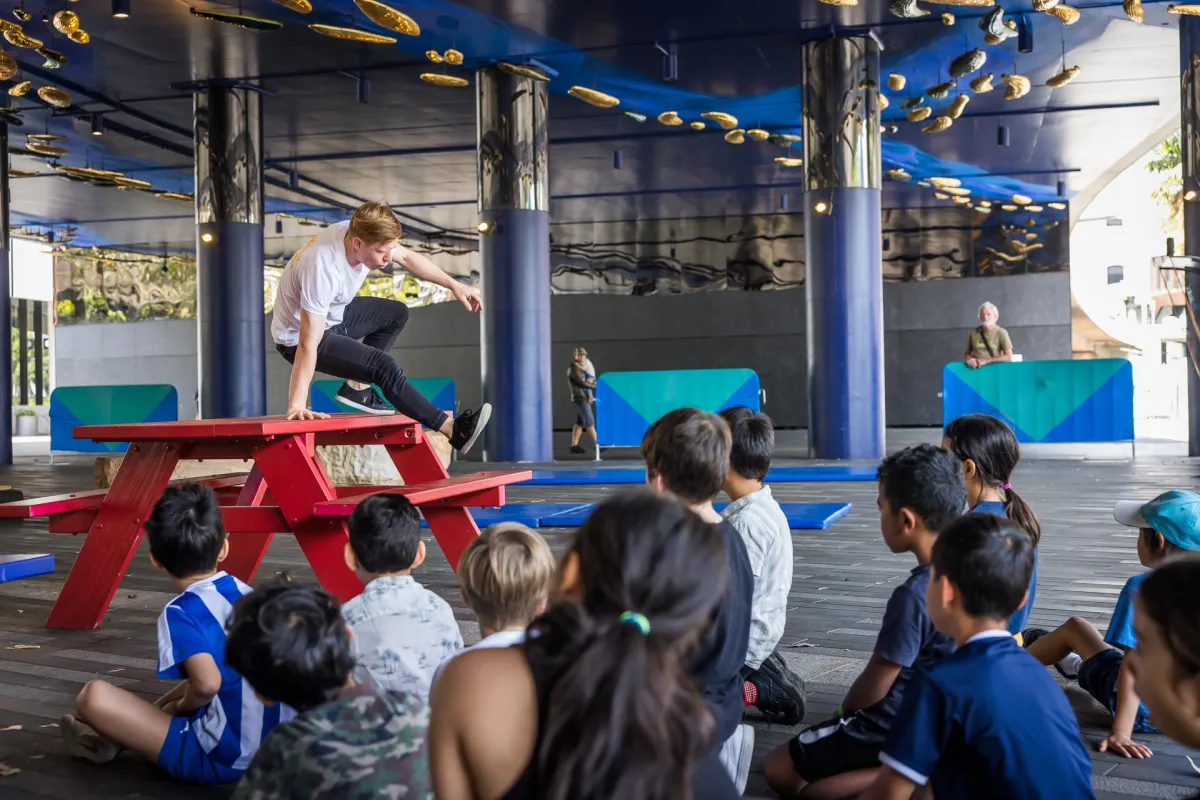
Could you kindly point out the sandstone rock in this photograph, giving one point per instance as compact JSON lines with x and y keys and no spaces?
{"x":346,"y":465}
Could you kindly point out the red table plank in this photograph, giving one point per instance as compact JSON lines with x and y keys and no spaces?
{"x":243,"y":427}
{"x":77,"y":501}
{"x":246,"y":551}
{"x":421,"y":493}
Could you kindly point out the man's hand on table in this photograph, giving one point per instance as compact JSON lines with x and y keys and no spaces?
{"x":305,"y":413}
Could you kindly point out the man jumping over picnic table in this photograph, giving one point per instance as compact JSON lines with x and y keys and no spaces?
{"x":320,"y":324}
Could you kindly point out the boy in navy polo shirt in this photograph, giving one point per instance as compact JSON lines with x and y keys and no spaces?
{"x":921,"y":490}
{"x":207,"y":728}
{"x":987,"y":721}
{"x":1168,"y":526}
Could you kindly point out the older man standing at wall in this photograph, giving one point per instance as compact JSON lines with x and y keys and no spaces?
{"x":989,"y":343}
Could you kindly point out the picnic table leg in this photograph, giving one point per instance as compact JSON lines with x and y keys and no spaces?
{"x":246,"y":550}
{"x":298,"y":481}
{"x":453,"y":527}
{"x":114,"y":536}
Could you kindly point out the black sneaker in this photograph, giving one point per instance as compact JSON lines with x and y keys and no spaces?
{"x":781,"y":692}
{"x":467,"y":427}
{"x":577,"y":450}
{"x":367,"y":400}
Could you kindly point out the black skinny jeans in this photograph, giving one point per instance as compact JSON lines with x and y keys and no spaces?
{"x":377,"y":322}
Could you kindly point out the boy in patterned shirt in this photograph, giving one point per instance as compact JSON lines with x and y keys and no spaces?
{"x":401,"y":630}
{"x":347,"y":742}
{"x":207,"y":728}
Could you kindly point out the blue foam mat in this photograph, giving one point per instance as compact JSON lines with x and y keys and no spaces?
{"x":14,"y":568}
{"x":800,"y":516}
{"x":832,"y":473}
{"x":529,"y":514}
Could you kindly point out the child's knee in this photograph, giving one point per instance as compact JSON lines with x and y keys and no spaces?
{"x":92,"y":697}
{"x":781,"y":774}
{"x":1078,"y":626}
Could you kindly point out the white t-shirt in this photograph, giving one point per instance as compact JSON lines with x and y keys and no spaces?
{"x":319,"y":280}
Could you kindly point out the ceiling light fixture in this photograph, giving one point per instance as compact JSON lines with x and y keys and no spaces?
{"x":484,"y":227}
{"x":278,"y":225}
{"x":822,"y":207}
{"x":1002,"y":138}
{"x":1061,"y":188}
{"x":670,"y":60}
{"x":206,"y":237}
{"x":364,"y":89}
{"x":97,"y":124}
{"x":784,"y":203}
{"x":618,"y":159}
{"x":120,"y":9}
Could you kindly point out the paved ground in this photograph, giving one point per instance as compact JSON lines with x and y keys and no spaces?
{"x":843,"y":577}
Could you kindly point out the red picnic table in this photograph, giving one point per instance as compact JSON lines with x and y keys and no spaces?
{"x":286,"y":491}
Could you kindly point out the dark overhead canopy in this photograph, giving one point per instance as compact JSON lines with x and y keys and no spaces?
{"x":413,"y":144}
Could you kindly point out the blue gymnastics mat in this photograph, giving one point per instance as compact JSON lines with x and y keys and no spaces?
{"x":832,"y":473}
{"x":800,"y":516}
{"x":15,"y":568}
{"x":530,"y":514}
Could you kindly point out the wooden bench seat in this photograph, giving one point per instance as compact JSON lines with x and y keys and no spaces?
{"x":81,"y":501}
{"x":477,"y":489}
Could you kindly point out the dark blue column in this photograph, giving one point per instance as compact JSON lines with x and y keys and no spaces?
{"x":229,"y":252}
{"x":515,"y":255}
{"x":1189,"y":148}
{"x":843,"y":248}
{"x":6,"y":387}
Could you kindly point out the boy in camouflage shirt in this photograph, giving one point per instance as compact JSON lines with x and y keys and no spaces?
{"x":347,"y":742}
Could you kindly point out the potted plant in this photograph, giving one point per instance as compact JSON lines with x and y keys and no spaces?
{"x":26,"y":422}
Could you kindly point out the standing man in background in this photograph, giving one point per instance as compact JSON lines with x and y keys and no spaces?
{"x":320,"y":324}
{"x":582,"y":387}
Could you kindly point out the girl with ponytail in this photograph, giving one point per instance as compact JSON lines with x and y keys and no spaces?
{"x":989,"y":453}
{"x":598,"y":702}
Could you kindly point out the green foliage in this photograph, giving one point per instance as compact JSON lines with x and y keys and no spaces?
{"x":1168,"y":162}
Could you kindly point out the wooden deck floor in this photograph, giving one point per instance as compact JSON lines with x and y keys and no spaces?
{"x":843,"y":577}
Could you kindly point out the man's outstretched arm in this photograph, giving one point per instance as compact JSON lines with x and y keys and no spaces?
{"x":304,"y":365}
{"x":423,"y":269}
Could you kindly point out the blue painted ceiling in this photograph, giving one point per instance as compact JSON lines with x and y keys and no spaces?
{"x":413,"y":144}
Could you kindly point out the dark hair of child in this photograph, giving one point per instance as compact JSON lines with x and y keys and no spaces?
{"x":186,"y":531}
{"x":994,"y":448}
{"x":385,"y":530}
{"x":624,"y":718}
{"x":290,"y":642}
{"x":689,"y":449}
{"x":926,"y":479}
{"x":1170,"y":596}
{"x":989,"y":560}
{"x":753,"y":441}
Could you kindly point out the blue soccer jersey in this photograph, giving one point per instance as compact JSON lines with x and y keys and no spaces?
{"x":230,"y":728}
{"x":986,"y":722}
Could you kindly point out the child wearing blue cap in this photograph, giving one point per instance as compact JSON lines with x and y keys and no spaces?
{"x":1169,"y":526}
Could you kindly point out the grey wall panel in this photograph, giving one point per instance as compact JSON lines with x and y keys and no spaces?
{"x":1022,"y":299}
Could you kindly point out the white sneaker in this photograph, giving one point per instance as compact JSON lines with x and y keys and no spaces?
{"x":84,"y":742}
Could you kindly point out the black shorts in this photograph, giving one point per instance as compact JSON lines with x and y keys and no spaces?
{"x":583,"y":415}
{"x":1098,"y":677}
{"x":835,"y":747}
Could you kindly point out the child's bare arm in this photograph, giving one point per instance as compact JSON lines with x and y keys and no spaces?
{"x":202,"y":685}
{"x":1119,"y":740}
{"x":872,"y":685}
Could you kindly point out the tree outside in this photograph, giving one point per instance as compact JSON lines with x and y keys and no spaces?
{"x":1168,"y":162}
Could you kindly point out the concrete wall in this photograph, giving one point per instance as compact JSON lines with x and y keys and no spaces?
{"x":117,"y":353}
{"x":925,"y":323}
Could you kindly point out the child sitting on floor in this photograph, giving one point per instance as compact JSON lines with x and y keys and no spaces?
{"x":402,"y":631}
{"x":1166,"y":661}
{"x":920,"y":491}
{"x":597,"y":704}
{"x":505,"y":576}
{"x":1169,"y":525}
{"x":291,"y":644}
{"x":985,"y":721}
{"x":687,"y":457}
{"x":754,"y":513}
{"x":989,"y":452}
{"x":207,"y":728}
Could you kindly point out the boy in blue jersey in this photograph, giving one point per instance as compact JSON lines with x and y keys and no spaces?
{"x":921,"y":490}
{"x":987,"y":721}
{"x":1168,"y":525}
{"x":207,"y":728}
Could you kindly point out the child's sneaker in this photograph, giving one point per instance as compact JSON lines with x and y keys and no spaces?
{"x":467,"y":427}
{"x":1067,"y":667}
{"x":84,"y":742}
